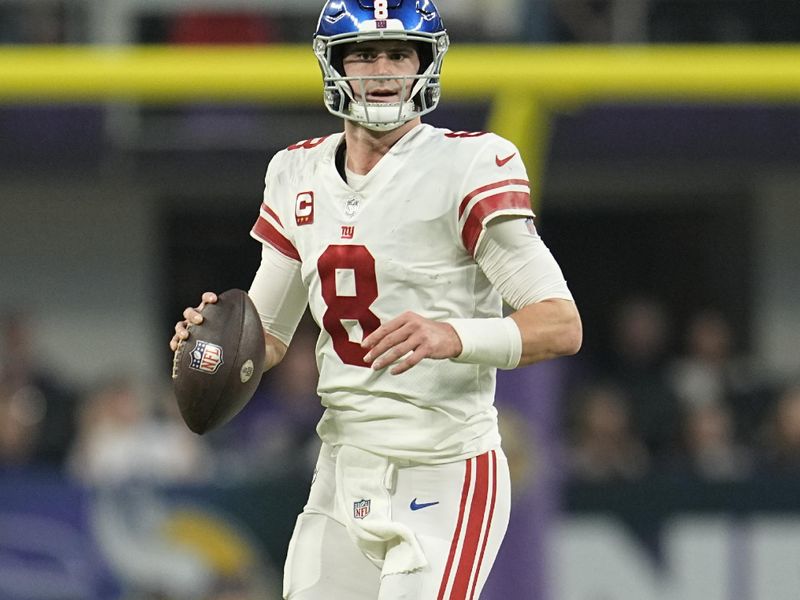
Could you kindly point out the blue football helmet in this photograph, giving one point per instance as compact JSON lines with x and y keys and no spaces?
{"x":352,"y":21}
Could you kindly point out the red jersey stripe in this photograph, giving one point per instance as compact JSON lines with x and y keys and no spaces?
{"x":493,"y":494}
{"x":265,"y":232}
{"x":271,"y":213}
{"x":472,"y":537}
{"x":492,"y":186}
{"x":459,"y":524}
{"x":484,"y":208}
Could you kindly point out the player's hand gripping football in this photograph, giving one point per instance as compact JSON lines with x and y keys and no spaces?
{"x":413,"y":335}
{"x":191,"y":316}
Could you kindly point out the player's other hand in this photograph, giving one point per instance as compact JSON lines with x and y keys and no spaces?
{"x":412,"y":338}
{"x":191,"y":316}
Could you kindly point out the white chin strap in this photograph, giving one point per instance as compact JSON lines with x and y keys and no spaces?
{"x":381,"y":117}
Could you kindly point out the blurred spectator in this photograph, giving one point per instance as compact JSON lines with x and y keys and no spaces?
{"x":222,"y":28}
{"x":704,"y":375}
{"x":711,"y":451}
{"x":20,"y":426}
{"x":34,"y":400}
{"x":476,"y":20}
{"x":782,"y":435}
{"x":209,"y":27}
{"x":701,"y":21}
{"x":33,"y":23}
{"x":275,"y":433}
{"x":637,"y":364}
{"x":726,"y":21}
{"x":710,"y":372}
{"x":119,"y":439}
{"x":604,"y":445}
{"x":601,"y":21}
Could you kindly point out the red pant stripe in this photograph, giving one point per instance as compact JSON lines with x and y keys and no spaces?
{"x":472,"y":537}
{"x":459,"y":523}
{"x":493,"y":493}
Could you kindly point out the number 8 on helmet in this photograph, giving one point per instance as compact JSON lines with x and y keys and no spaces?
{"x":353,"y":21}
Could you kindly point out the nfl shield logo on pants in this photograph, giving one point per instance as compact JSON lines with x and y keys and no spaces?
{"x":361,"y":509}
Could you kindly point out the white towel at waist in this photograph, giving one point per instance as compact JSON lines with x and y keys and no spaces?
{"x":363,"y":483}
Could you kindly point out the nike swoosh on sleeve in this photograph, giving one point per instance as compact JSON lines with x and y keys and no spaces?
{"x":502,"y":161}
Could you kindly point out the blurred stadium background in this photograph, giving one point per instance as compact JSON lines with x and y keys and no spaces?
{"x":661,"y":463}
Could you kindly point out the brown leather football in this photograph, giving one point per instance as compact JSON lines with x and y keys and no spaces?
{"x":216,"y":370}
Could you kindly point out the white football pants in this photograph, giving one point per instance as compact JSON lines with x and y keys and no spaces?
{"x":458,"y":511}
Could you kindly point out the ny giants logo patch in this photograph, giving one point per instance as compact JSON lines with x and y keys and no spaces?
{"x":304,"y":208}
{"x":206,"y":357}
{"x":361,"y":509}
{"x":348,"y":231}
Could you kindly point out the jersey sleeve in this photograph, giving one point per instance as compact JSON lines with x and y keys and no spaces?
{"x":278,"y":293}
{"x":269,"y":227}
{"x":519,"y":265}
{"x":495,"y":184}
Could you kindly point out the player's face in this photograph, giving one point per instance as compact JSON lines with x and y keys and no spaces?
{"x":383,"y":58}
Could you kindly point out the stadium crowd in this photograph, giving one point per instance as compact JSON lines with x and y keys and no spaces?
{"x":660,"y":401}
{"x":692,"y":406}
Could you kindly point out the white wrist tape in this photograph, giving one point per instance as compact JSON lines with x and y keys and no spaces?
{"x":494,"y":342}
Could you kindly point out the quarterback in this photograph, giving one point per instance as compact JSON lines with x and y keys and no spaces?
{"x":403,"y":240}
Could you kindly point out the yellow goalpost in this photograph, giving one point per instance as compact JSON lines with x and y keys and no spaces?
{"x":523,"y":84}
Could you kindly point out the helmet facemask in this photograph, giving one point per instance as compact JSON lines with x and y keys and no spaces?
{"x":420,"y":92}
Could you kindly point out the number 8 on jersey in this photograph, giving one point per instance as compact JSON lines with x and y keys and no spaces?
{"x":349,"y":287}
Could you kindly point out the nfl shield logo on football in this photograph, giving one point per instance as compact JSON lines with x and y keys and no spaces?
{"x":361,"y":508}
{"x":206,"y":357}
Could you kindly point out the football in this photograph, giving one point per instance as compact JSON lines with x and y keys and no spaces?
{"x":216,"y":370}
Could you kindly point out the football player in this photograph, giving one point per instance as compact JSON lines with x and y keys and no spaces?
{"x":404,"y":240}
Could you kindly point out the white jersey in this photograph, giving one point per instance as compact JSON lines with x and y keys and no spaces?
{"x":403,"y":238}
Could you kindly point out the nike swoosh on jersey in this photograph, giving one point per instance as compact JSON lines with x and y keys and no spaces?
{"x":502,"y":161}
{"x":419,"y":506}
